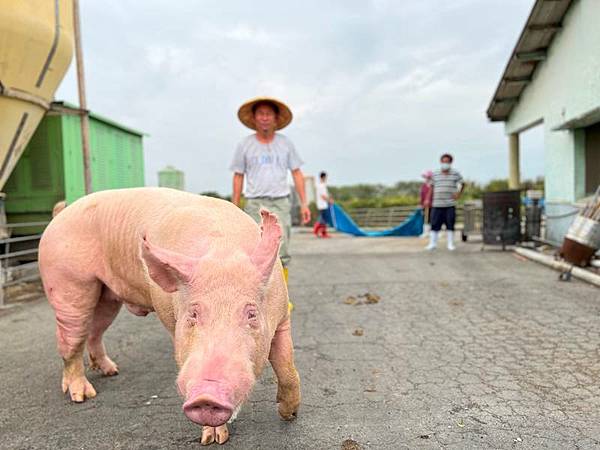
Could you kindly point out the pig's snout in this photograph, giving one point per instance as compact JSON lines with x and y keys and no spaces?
{"x":205,"y":410}
{"x":207,"y":404}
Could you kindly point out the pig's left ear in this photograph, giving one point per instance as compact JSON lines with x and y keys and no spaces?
{"x":266,"y":252}
{"x":168,"y":269}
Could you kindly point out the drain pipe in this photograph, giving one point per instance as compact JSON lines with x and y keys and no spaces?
{"x":549,"y":261}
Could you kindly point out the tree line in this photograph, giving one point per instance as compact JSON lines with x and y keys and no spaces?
{"x":405,"y":193}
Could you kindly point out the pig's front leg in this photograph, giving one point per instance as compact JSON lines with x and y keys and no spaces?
{"x":219,"y":434}
{"x":288,"y":381}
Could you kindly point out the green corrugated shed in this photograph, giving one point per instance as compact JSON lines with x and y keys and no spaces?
{"x":172,"y":178}
{"x":51,"y":168}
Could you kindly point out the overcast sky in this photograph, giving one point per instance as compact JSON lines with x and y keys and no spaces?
{"x":379,"y":88}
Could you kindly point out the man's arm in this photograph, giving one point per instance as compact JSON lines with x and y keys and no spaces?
{"x":298,"y":177}
{"x":460,"y":191}
{"x":238,"y":183}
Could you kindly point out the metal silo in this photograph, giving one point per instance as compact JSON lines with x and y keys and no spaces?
{"x":172,"y":178}
{"x":36,"y":47}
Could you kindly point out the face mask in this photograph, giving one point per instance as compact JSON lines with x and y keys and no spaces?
{"x":446,"y":166}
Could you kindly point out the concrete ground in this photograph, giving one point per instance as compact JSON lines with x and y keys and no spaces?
{"x":464,"y":350}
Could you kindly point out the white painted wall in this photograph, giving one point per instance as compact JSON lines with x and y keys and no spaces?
{"x":565,"y":86}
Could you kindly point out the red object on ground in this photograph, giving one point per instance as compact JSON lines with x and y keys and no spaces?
{"x":317,"y":228}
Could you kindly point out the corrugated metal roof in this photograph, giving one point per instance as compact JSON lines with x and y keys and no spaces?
{"x":66,"y":107}
{"x":543,"y":23}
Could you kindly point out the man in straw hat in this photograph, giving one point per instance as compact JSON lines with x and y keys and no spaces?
{"x":264,"y":159}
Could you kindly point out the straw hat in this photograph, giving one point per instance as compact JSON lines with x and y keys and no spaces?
{"x":246,"y":115}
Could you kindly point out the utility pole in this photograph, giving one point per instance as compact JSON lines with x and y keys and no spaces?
{"x":84,"y":115}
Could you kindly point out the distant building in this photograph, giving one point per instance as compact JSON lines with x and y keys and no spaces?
{"x":51,"y":166}
{"x":172,"y":178}
{"x":552,"y":79}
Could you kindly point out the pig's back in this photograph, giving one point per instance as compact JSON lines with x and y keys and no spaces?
{"x":102,"y":232}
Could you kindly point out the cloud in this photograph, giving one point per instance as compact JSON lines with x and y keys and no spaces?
{"x":252,"y":35}
{"x":378,"y":88}
{"x":169,"y":60}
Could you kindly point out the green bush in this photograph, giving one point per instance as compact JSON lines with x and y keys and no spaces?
{"x":402,"y":193}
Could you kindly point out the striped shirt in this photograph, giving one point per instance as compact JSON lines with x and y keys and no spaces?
{"x":444,"y":186}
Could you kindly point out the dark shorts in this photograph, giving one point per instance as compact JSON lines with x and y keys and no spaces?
{"x":324,"y":216}
{"x":443,"y":216}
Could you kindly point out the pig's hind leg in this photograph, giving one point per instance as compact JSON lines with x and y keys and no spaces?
{"x":105,"y":312}
{"x":288,"y":381}
{"x":74,"y":302}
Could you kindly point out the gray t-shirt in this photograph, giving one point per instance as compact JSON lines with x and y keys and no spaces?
{"x":266,"y":165}
{"x":445,"y":185}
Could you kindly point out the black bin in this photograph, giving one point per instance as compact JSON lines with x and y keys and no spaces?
{"x":502,"y":218}
{"x":533,"y":221}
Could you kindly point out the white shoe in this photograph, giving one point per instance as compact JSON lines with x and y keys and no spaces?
{"x":433,"y":239}
{"x":450,"y":238}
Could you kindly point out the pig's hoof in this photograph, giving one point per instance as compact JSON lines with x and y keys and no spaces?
{"x":105,"y":365}
{"x":79,"y":389}
{"x":287,"y":411}
{"x":219,"y":434}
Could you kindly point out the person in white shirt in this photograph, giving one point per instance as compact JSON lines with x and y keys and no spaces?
{"x":323,"y":202}
{"x":263,"y":160}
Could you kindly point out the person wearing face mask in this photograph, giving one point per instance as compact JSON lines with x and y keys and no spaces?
{"x":447,"y":187}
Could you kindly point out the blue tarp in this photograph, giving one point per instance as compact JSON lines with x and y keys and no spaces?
{"x":341,"y":221}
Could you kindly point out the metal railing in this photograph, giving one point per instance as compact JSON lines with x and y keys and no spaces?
{"x":380,"y":217}
{"x":469,"y":217}
{"x":387,"y":217}
{"x":12,"y":269}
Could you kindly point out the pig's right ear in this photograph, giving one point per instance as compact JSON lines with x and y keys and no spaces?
{"x":265,"y":254}
{"x":168,"y":269}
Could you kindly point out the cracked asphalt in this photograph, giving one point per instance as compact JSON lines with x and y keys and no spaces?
{"x":464,"y":350}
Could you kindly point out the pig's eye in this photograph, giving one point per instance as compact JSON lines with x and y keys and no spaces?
{"x":192,"y":318}
{"x":251,"y":315}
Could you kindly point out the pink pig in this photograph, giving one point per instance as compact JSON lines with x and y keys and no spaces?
{"x":205,"y":268}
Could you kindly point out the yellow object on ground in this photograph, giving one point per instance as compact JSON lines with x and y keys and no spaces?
{"x":286,"y":276}
{"x":36,"y":47}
